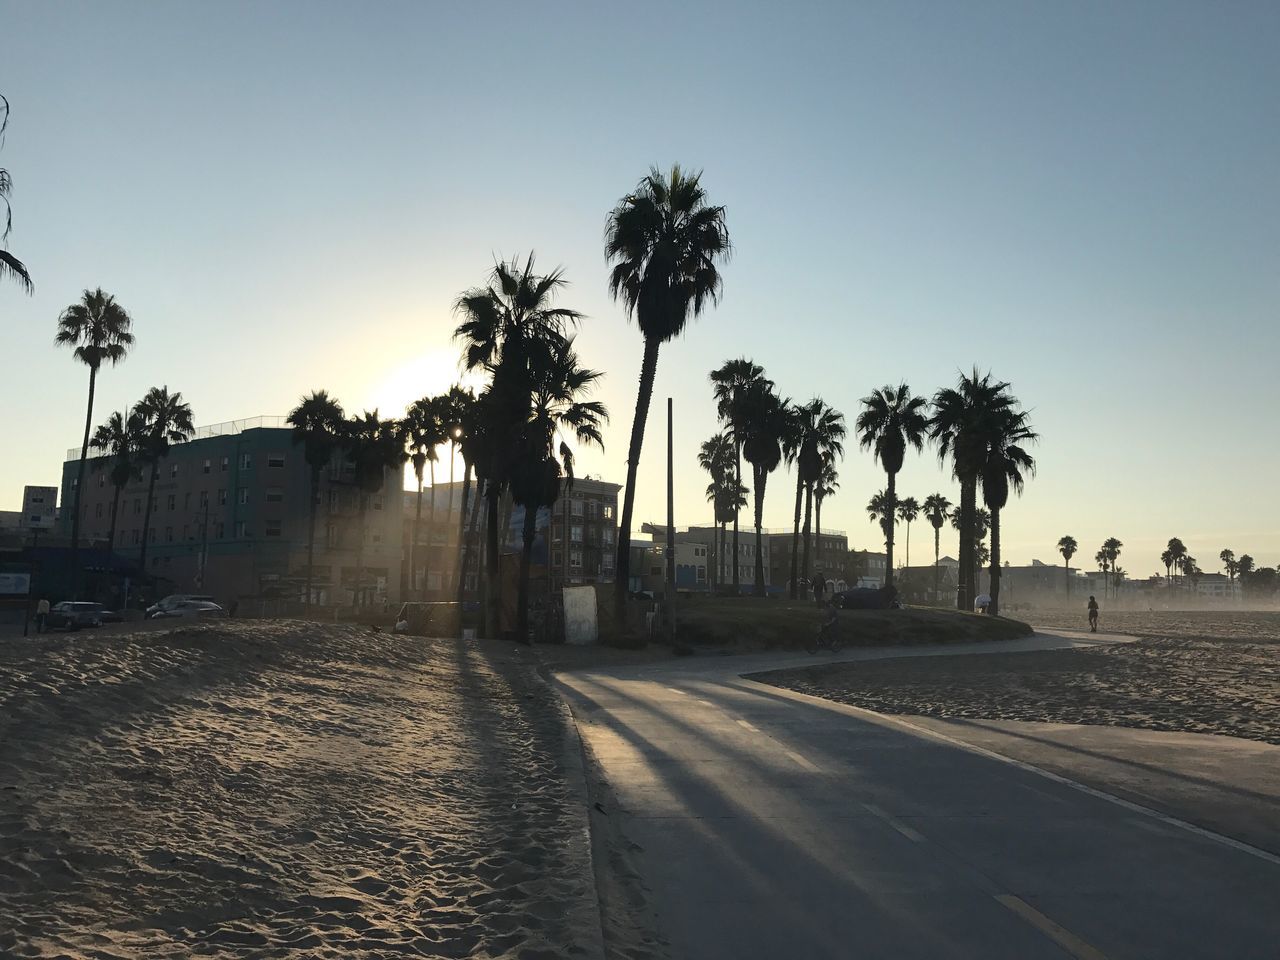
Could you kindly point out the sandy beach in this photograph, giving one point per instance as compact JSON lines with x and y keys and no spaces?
{"x":1199,"y":672}
{"x":286,"y":790}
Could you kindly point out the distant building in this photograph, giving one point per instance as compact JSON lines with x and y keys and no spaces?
{"x":231,"y":517}
{"x":827,"y":549}
{"x":39,"y":508}
{"x":699,"y":566}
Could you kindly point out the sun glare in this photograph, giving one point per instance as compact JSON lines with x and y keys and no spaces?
{"x":429,"y":373}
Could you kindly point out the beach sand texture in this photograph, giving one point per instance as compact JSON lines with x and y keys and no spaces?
{"x":286,"y":790}
{"x":1201,"y":672}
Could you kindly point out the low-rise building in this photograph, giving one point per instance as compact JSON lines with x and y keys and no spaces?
{"x":827,"y":550}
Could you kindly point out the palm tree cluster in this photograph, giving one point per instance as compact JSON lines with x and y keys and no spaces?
{"x":767,"y":429}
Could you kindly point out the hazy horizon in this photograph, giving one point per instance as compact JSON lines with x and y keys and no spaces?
{"x":290,"y":197}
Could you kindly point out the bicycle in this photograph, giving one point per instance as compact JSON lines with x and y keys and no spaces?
{"x":827,"y":635}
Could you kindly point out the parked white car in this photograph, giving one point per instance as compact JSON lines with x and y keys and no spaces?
{"x":172,"y":600}
{"x":191,"y":608}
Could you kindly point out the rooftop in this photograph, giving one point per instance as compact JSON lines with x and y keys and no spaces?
{"x":225,"y":429}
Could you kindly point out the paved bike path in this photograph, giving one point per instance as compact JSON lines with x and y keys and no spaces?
{"x":773,"y":824}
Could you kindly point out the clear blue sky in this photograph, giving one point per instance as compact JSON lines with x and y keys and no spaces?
{"x":1082,"y":197}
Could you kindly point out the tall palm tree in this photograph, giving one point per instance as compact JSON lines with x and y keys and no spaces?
{"x":374,"y":446}
{"x":317,"y":423}
{"x":828,"y":483}
{"x":764,"y":423}
{"x":666,"y":243}
{"x":1166,"y":558}
{"x":1104,"y":564}
{"x":908,"y":511}
{"x":1067,"y":546}
{"x":97,"y":330}
{"x":977,"y":532}
{"x":716,"y":456}
{"x":892,"y":420}
{"x":9,"y":264}
{"x":559,"y":408}
{"x":959,"y":424}
{"x":1007,"y":462}
{"x":1245,"y":563}
{"x":164,"y":419}
{"x":1112,"y":547}
{"x":1228,"y":558}
{"x":510,"y":329}
{"x":119,"y":439}
{"x":936,"y":510}
{"x":880,"y":509}
{"x":424,"y":428}
{"x":1177,"y":550}
{"x":469,"y":433}
{"x":814,"y":434}
{"x":454,"y":410}
{"x":729,"y":384}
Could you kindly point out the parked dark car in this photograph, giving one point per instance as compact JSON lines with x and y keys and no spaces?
{"x":74,"y":614}
{"x":172,"y":600}
{"x":866,"y":598}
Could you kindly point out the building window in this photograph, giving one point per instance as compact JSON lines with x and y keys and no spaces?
{"x":575,"y":507}
{"x":608,"y":511}
{"x":98,"y":512}
{"x":219,"y":530}
{"x":377,"y":503}
{"x":331,"y":535}
{"x":275,"y":495}
{"x":151,"y":535}
{"x":208,"y":465}
{"x":102,"y":480}
{"x":137,"y":505}
{"x":244,"y":495}
{"x":168,"y":534}
{"x":137,"y":537}
{"x":575,"y":558}
{"x":246,"y":461}
{"x":275,"y":460}
{"x":225,"y":461}
{"x":222,"y":498}
{"x":606,"y":536}
{"x":274,"y":529}
{"x":241,"y":530}
{"x":75,"y":482}
{"x":333,"y":499}
{"x":575,"y":532}
{"x":172,"y":501}
{"x":186,"y":500}
{"x":173,"y":470}
{"x":204,"y":498}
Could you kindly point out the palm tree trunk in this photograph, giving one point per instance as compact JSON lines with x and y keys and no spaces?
{"x":937,"y":555}
{"x":737,"y":476}
{"x":491,"y":561}
{"x":431,"y":530}
{"x":761,"y":478}
{"x":892,"y":490}
{"x":908,"y":563}
{"x":808,"y":513}
{"x":444,"y":574}
{"x":355,"y":594}
{"x":817,"y":524}
{"x":622,"y":566}
{"x":994,"y":608}
{"x":795,"y":539}
{"x":720,"y":558}
{"x":968,"y":496}
{"x":528,"y":531}
{"x":311,"y":531}
{"x":115,"y":512}
{"x":463,"y":537}
{"x":146,"y":518}
{"x":413,"y":545}
{"x":75,"y":517}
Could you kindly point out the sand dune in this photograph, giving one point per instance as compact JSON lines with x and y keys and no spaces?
{"x":285,"y":790}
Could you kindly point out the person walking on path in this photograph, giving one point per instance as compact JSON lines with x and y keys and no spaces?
{"x":42,"y":614}
{"x":1093,"y":615}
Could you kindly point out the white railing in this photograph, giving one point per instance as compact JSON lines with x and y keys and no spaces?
{"x":225,"y":429}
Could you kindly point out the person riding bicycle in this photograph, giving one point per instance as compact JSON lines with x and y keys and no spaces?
{"x":1093,"y":615}
{"x":830,"y":621}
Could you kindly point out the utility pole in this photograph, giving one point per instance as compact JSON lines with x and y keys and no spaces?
{"x":671,"y":532}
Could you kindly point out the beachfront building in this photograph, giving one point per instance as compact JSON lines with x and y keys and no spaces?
{"x":231,"y":515}
{"x":827,"y":550}
{"x":697,"y":551}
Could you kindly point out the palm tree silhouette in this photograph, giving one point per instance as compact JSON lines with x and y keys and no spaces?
{"x":374,"y":446}
{"x":425,"y":429}
{"x":119,"y":439}
{"x":509,"y":329}
{"x":1177,"y":550}
{"x":959,"y":424}
{"x":1232,"y":567}
{"x":1166,"y":558}
{"x":10,"y":265}
{"x":765,"y":416}
{"x":729,"y":384}
{"x":1111,"y":546}
{"x":559,"y":387}
{"x":665,"y":242}
{"x":716,"y":456}
{"x":317,"y":423}
{"x":936,"y":509}
{"x":1067,"y":546}
{"x":1104,"y":564}
{"x":891,"y":420}
{"x":908,"y":510}
{"x":880,"y":507}
{"x":97,"y":330}
{"x":164,"y":419}
{"x":1007,"y":461}
{"x":828,"y":483}
{"x":453,"y":410}
{"x":814,"y":434}
{"x":977,"y":533}
{"x":1245,"y":564}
